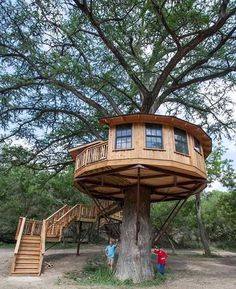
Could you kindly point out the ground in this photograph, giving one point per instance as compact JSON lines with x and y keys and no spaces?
{"x":186,"y":270}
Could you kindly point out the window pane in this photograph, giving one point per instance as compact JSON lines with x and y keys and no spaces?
{"x":153,"y":136}
{"x":123,"y":136}
{"x":181,"y":141}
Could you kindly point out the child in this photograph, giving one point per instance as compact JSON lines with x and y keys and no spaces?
{"x":161,"y":259}
{"x":110,"y":252}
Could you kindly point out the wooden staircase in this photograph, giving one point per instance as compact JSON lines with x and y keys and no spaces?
{"x":31,"y":235}
{"x":30,"y":248}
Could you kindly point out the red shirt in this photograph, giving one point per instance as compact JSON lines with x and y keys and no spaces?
{"x":161,"y":256}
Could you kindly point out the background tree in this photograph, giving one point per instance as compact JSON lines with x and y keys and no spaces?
{"x":34,"y":194}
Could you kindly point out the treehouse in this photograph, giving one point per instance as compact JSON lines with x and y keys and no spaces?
{"x":162,"y":153}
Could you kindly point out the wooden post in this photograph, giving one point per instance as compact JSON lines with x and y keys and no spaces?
{"x":79,"y":237}
{"x":137,"y":207}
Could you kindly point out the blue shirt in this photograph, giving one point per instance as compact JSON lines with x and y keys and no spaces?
{"x":110,"y":251}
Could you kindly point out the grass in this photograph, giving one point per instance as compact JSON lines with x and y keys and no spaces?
{"x":96,"y":272}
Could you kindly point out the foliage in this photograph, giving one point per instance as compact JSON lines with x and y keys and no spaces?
{"x":66,"y":63}
{"x":219,"y":215}
{"x":218,"y":212}
{"x":221,"y":169}
{"x":35,"y":194}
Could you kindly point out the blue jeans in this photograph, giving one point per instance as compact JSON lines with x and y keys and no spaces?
{"x":161,"y":268}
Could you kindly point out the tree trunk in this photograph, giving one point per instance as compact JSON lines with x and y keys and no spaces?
{"x":201,"y":226}
{"x":134,"y":261}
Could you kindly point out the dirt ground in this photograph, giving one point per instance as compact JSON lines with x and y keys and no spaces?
{"x":186,"y":270}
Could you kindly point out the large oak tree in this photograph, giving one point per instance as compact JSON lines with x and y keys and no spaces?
{"x":65,"y":63}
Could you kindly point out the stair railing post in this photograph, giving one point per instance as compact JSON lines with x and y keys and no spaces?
{"x":43,"y":241}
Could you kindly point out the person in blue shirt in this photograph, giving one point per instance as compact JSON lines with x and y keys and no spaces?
{"x":110,"y":252}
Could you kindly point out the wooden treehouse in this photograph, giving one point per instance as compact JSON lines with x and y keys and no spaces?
{"x":147,"y":158}
{"x":163,"y":153}
{"x":32,"y":235}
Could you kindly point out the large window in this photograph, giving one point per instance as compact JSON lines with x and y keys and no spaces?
{"x":181,"y":144}
{"x":124,"y":136}
{"x":154,"y":136}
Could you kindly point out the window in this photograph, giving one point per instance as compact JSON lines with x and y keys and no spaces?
{"x":181,"y":144}
{"x":197,"y":145}
{"x":154,"y":136}
{"x":124,"y":136}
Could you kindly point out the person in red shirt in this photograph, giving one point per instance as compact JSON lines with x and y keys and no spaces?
{"x":161,"y":259}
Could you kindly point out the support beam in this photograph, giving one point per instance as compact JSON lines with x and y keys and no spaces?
{"x":170,"y":217}
{"x":79,"y":238}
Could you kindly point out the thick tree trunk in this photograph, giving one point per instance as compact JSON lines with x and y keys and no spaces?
{"x":201,"y":226}
{"x":134,"y":261}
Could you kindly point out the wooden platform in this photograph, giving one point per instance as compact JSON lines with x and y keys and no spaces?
{"x":173,"y":170}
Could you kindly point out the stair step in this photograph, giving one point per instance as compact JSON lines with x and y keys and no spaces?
{"x":26,"y":248}
{"x":30,"y":245}
{"x":27,"y":257}
{"x":27,"y":261}
{"x":22,"y":252}
{"x":30,"y":237}
{"x":15,"y":274}
{"x":27,"y":266}
{"x":26,"y":271}
{"x":29,"y":241}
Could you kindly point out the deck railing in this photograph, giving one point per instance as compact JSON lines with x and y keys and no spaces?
{"x":75,"y":213}
{"x":32,"y":227}
{"x":92,"y":154}
{"x":57,"y":215}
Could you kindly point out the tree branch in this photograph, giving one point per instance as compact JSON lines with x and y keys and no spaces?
{"x":165,"y":24}
{"x":96,"y":24}
{"x":181,"y":53}
{"x":54,"y":110}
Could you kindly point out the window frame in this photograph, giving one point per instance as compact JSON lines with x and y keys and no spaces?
{"x":123,"y":137}
{"x":186,"y":153}
{"x":160,"y":126}
{"x":196,"y":148}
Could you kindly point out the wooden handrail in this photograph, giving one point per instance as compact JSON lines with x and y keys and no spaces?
{"x":62,"y":208}
{"x":21,"y":230}
{"x":42,"y":249}
{"x":66,"y":214}
{"x":18,"y":227}
{"x":54,"y":227}
{"x":92,"y":154}
{"x":43,"y":237}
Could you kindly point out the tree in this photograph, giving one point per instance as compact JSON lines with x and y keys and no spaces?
{"x":65,"y":63}
{"x":221,"y":170}
{"x":220,"y":223}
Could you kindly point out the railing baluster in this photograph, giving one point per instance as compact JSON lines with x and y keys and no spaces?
{"x":92,"y":154}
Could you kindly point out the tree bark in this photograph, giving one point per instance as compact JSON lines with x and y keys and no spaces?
{"x":134,"y":261}
{"x":202,"y":230}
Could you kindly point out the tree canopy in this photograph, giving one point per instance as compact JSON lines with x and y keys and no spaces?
{"x":66,"y":63}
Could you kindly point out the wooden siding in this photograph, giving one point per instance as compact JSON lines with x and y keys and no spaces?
{"x":168,"y":153}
